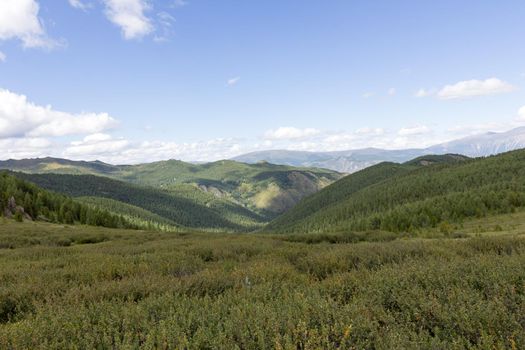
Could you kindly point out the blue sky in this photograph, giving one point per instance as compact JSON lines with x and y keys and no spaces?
{"x":136,"y":80}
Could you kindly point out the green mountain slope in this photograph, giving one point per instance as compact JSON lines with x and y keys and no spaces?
{"x":22,"y":200}
{"x":188,"y":208}
{"x":264,"y":188}
{"x":58,"y":166}
{"x":140,"y":217}
{"x":422,"y":193}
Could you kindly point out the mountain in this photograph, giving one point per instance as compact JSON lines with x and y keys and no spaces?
{"x":353,"y":160}
{"x":341,"y":161}
{"x":265,"y":190}
{"x":187,"y":208}
{"x":426,"y":192}
{"x":485,"y":144}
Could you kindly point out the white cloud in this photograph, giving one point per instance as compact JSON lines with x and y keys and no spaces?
{"x":370,"y":131}
{"x":423,"y":93}
{"x":414,"y":130}
{"x":19,"y":20}
{"x":95,"y":146}
{"x":288,"y":133}
{"x":122,"y":151}
{"x":521,"y":113}
{"x":130,"y":16}
{"x":391,"y":92}
{"x":233,"y":81}
{"x":78,"y":4}
{"x":474,"y":129}
{"x":98,"y":137}
{"x":339,"y":138}
{"x":165,"y":22}
{"x":179,"y":3}
{"x":471,"y":88}
{"x":22,"y":118}
{"x":18,"y":148}
{"x":2,"y":57}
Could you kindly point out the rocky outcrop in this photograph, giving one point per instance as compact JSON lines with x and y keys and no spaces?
{"x":12,"y":209}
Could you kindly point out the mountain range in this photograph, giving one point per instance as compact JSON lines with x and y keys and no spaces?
{"x":220,"y":195}
{"x":353,"y":160}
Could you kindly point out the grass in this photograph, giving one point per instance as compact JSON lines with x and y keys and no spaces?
{"x":84,"y":287}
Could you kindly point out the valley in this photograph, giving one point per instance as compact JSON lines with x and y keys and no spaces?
{"x":420,"y":254}
{"x":223,"y":195}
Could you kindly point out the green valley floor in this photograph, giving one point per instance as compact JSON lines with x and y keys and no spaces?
{"x":85,"y":287}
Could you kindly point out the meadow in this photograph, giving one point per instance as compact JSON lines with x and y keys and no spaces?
{"x":96,"y":288}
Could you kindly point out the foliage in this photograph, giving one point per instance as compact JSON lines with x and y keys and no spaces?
{"x":128,"y":289}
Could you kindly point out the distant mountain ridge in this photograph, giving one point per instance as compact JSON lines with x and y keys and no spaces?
{"x":354,"y":160}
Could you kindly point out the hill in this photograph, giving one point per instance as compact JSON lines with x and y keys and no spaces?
{"x":187,"y":207}
{"x":265,"y":189}
{"x":412,"y":196}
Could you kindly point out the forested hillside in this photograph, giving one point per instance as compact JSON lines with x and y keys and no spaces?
{"x":188,"y":207}
{"x":426,"y":192}
{"x":264,"y":188}
{"x":21,"y":201}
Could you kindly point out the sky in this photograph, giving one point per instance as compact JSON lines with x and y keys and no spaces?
{"x":130,"y":81}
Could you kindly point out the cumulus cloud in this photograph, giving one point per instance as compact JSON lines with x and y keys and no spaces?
{"x":130,"y":16}
{"x":96,"y":145}
{"x":121,"y":151}
{"x":19,"y":20}
{"x":288,"y":133}
{"x":2,"y":57}
{"x":17,"y":148}
{"x":472,"y":88}
{"x":233,"y":81}
{"x":22,"y":118}
{"x":414,"y":130}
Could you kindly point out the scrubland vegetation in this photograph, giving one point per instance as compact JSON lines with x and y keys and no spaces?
{"x":87,"y":287}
